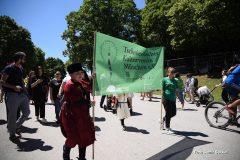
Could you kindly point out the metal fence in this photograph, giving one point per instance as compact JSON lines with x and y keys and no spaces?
{"x":206,"y":64}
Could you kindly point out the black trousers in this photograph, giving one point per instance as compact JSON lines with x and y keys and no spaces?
{"x":82,"y":153}
{"x":170,"y":110}
{"x":225,"y":95}
{"x":39,"y":107}
{"x":102,"y":100}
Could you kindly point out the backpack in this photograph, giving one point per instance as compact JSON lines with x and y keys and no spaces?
{"x":195,"y":83}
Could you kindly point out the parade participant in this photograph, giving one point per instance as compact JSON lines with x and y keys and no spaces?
{"x":64,"y":81}
{"x":102,"y":100}
{"x":122,"y":108}
{"x":76,"y":123}
{"x":130,"y":97}
{"x":190,"y":86}
{"x":16,"y":94}
{"x":232,"y":84}
{"x":39,"y":85}
{"x":169,"y":88}
{"x":54,"y":86}
{"x":180,"y":89}
{"x":28,"y":86}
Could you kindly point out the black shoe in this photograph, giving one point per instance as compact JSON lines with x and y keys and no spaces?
{"x":101,"y":106}
{"x":14,"y":139}
{"x":131,"y":111}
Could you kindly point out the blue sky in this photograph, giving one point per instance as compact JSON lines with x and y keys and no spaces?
{"x":45,"y":20}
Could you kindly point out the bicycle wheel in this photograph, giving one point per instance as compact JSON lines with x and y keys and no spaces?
{"x":216,"y":115}
{"x":186,"y":96}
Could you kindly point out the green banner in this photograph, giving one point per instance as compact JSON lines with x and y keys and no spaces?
{"x":124,"y":67}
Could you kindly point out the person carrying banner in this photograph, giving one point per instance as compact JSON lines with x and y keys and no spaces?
{"x":122,"y":108}
{"x":75,"y":121}
{"x":170,"y":90}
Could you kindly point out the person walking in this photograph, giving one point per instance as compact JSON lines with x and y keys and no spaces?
{"x":130,"y":102}
{"x":39,"y":87}
{"x":75,"y":121}
{"x":16,"y":95}
{"x":54,"y":86}
{"x":180,"y":89}
{"x":190,"y":86}
{"x":170,"y":90}
{"x":122,"y":108}
{"x":28,"y":85}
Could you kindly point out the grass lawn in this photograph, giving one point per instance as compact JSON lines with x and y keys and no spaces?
{"x":204,"y":80}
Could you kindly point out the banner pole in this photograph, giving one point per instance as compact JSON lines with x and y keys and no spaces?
{"x":93,"y":92}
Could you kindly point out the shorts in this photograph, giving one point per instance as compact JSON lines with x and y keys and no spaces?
{"x":233,"y":89}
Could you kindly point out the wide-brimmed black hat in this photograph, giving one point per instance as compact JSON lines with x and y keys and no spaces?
{"x":75,"y":67}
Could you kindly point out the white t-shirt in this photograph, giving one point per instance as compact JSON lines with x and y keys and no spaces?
{"x":224,"y":78}
{"x":65,"y":79}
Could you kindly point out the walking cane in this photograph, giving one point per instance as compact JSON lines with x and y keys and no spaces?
{"x":161,"y":117}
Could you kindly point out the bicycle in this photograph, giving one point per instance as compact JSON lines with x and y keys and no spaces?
{"x":217,"y":116}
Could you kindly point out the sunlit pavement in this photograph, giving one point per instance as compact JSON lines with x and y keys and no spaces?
{"x":193,"y":138}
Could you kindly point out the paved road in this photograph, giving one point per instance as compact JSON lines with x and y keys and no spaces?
{"x":193,"y":140}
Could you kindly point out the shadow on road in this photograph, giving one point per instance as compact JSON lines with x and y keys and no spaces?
{"x":189,"y":134}
{"x":100,"y":119}
{"x":180,"y":150}
{"x":2,"y":122}
{"x":50,"y":124}
{"x":134,"y":129}
{"x":30,"y":145}
{"x":156,"y":97}
{"x":136,"y":114}
{"x":28,"y":130}
{"x":97,"y":129}
{"x":154,"y":101}
{"x":230,"y":130}
{"x":187,"y":109}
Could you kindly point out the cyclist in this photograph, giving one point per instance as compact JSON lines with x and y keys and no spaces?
{"x":232,"y":83}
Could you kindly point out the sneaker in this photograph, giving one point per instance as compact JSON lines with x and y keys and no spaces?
{"x":44,"y":120}
{"x":169,"y":131}
{"x":14,"y":139}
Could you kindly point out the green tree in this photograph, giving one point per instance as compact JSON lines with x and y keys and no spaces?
{"x":182,"y":26}
{"x":204,"y":26}
{"x":14,"y":38}
{"x":155,"y":23}
{"x":54,"y":64}
{"x":118,"y":18}
{"x":40,"y":56}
